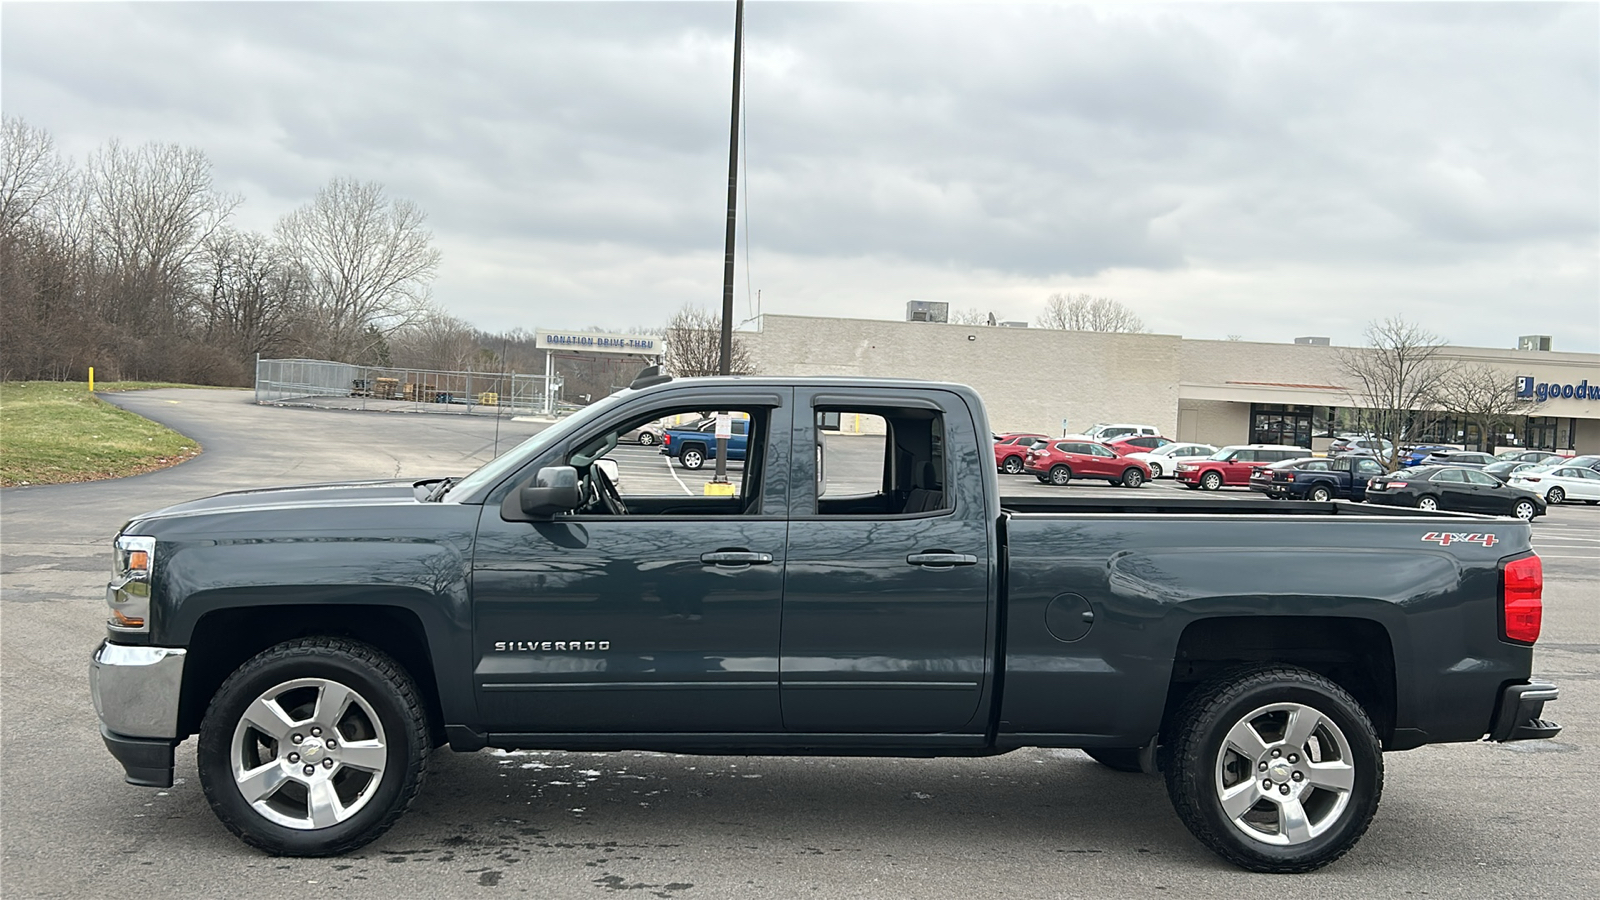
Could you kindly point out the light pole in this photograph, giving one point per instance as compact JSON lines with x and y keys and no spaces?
{"x":725,"y":364}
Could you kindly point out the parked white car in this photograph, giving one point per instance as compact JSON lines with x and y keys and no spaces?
{"x":1105,"y":432}
{"x":1559,"y":482}
{"x":1163,"y":461}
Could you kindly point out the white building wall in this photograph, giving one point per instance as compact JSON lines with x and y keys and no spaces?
{"x":1030,"y":378}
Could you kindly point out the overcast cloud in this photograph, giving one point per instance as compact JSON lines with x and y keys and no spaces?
{"x":1269,"y":170}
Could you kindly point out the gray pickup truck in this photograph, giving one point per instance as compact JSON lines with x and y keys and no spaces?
{"x":866,"y":593}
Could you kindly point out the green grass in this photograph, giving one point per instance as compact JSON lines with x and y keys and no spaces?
{"x":53,"y":432}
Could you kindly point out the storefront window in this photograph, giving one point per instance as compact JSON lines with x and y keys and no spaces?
{"x":1541,"y":433}
{"x":1276,"y":423}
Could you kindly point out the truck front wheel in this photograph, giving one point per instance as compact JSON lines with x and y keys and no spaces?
{"x":313,"y":747}
{"x":1275,"y":768}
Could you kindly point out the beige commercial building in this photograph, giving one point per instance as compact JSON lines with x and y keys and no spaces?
{"x":1217,"y":392}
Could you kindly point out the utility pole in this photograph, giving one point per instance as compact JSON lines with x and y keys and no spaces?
{"x":725,"y":365}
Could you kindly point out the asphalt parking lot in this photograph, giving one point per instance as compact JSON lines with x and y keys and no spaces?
{"x":1468,"y":820}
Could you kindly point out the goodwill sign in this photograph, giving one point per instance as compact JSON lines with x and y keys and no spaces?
{"x":1539,"y":392}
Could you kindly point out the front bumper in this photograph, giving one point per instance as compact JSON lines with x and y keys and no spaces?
{"x":136,"y":692}
{"x":1518,"y":716}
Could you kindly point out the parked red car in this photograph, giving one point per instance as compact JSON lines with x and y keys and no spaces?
{"x":1060,"y":461}
{"x":1136,"y":443}
{"x":1011,"y":450}
{"x":1232,"y":465}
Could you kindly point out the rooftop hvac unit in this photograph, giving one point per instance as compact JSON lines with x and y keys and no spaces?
{"x":927,"y":311}
{"x":1313,"y":341}
{"x":1534,"y":342}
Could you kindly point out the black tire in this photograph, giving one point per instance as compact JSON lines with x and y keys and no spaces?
{"x":386,"y":713}
{"x":1211,"y":481}
{"x":1556,"y":495}
{"x":1320,"y":494}
{"x":1060,"y":475}
{"x":1526,"y":510}
{"x":1592,"y":502}
{"x":1155,"y":469}
{"x":646,"y":439}
{"x":1121,"y":759}
{"x":692,"y":457}
{"x":1132,"y":477}
{"x":1427,"y":503}
{"x":1043,"y":479}
{"x":1203,"y":763}
{"x":1012,"y":465}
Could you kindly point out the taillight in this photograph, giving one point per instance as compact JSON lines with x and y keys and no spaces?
{"x":666,"y":440}
{"x":1521,"y":599}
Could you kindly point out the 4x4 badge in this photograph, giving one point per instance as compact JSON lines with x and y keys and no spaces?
{"x":1446,"y":538}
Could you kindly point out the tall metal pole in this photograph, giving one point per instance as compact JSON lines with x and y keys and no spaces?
{"x":725,"y":364}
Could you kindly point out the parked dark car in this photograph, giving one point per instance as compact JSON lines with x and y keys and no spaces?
{"x":1454,"y":488}
{"x":1343,"y":478}
{"x":1591,"y":461}
{"x":1469,"y":458}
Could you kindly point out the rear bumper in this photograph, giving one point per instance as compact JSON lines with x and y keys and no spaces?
{"x":1517,"y":718}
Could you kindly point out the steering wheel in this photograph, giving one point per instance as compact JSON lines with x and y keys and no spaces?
{"x":607,"y":491}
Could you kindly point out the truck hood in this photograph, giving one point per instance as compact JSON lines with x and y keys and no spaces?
{"x":351,"y":493}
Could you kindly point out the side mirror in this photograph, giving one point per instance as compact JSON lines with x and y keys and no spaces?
{"x":554,"y":490}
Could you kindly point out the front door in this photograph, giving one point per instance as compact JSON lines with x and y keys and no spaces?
{"x":658,"y":615}
{"x":887,"y":601}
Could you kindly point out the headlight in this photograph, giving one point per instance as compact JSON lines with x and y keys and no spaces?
{"x":128,"y":594}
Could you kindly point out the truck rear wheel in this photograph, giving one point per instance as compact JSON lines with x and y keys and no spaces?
{"x":1275,"y":768}
{"x":692,"y":457}
{"x":1320,"y":495}
{"x":313,"y":747}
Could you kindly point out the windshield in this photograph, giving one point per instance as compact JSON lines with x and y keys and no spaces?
{"x":503,"y":465}
{"x":1222,"y":454}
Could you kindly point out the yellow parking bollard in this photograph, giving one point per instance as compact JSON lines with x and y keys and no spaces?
{"x":91,"y":379}
{"x":719,"y":489}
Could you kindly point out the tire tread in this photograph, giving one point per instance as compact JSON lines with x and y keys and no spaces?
{"x":1182,"y":765}
{"x":412,"y":707}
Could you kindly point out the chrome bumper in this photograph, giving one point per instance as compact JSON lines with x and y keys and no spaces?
{"x":136,"y":689}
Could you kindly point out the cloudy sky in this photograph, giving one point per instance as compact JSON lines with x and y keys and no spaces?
{"x":1262,"y":169}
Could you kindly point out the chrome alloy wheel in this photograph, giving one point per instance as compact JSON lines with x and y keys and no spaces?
{"x":308,"y":753}
{"x":1285,"y":774}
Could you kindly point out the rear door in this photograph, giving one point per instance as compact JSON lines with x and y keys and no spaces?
{"x":886,"y":598}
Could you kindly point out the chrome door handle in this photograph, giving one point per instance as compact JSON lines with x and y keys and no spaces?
{"x":942,"y":560}
{"x":735,"y":558}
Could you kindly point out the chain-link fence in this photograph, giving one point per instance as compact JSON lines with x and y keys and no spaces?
{"x":318,"y":382}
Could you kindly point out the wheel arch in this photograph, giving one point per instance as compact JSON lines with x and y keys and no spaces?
{"x":224,"y":639}
{"x":1355,"y":653}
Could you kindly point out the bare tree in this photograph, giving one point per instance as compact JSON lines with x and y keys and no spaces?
{"x":366,"y":262}
{"x":1482,"y":396}
{"x":31,"y":172}
{"x":970,"y":316}
{"x":251,"y":297}
{"x":1082,"y":312}
{"x":151,"y":210}
{"x":694,"y":345}
{"x":1398,"y":374}
{"x":438,"y":341}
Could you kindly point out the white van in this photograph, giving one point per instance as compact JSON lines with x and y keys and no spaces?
{"x":1111,"y":432}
